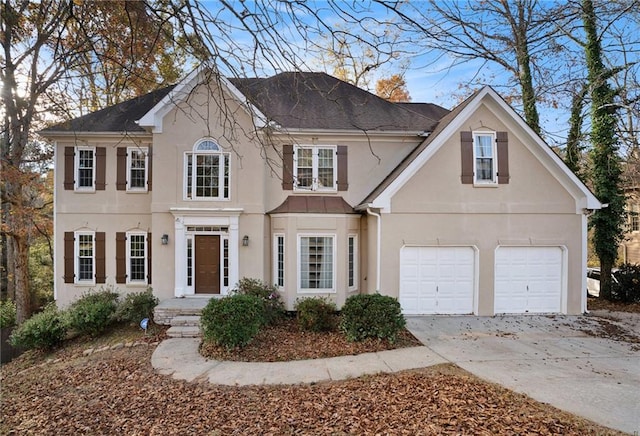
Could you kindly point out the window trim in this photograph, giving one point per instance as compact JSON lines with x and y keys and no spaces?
{"x":352,"y":286}
{"x":130,"y":151}
{"x":494,"y":159}
{"x":315,"y":187}
{"x":299,"y":287}
{"x":223,"y":163}
{"x":276,"y":260}
{"x":76,"y":256}
{"x":76,"y":169}
{"x":128,"y":257}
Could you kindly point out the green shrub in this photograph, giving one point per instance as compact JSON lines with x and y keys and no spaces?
{"x":137,"y":306}
{"x":232,"y":321}
{"x":93,"y":312}
{"x":43,"y":330}
{"x":269,"y":295}
{"x":371,"y":316}
{"x":7,"y":314}
{"x":316,"y":314}
{"x":626,"y":288}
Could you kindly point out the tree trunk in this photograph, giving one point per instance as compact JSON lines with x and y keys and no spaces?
{"x":21,"y":262}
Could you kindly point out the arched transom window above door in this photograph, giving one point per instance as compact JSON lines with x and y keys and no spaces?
{"x":206,"y":172}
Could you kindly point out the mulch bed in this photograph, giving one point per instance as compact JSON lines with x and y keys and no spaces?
{"x":285,"y":341}
{"x":117,"y":392}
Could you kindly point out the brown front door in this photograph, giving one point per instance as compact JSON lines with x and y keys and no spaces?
{"x":207,"y":264}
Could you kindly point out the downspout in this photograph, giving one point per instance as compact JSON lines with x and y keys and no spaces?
{"x":378,"y":250}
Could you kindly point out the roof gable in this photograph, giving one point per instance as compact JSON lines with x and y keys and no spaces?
{"x":121,"y":117}
{"x":289,"y":101}
{"x":449,"y":125}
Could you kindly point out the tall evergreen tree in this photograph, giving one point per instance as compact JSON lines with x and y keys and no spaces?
{"x":607,"y":170}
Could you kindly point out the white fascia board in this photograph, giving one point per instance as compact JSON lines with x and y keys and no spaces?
{"x":72,"y":135}
{"x":153,"y":118}
{"x":383,"y":201}
{"x":354,"y":132}
{"x":591,"y":201}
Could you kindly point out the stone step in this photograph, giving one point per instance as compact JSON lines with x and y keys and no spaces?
{"x":184,"y":332}
{"x":186,"y":321}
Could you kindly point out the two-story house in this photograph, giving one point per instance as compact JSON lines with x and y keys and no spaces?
{"x":320,"y":188}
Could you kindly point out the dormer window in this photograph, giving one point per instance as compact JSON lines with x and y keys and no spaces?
{"x":207,"y":172}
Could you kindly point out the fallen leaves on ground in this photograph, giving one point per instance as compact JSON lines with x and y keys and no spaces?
{"x":613,"y":306}
{"x":117,"y":392}
{"x":284,"y":342}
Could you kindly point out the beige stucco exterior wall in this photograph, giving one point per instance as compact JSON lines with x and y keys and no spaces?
{"x":292,"y":226}
{"x":108,"y":211}
{"x":434,"y":208}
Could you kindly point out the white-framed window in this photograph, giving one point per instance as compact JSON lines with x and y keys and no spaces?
{"x":85,"y":166}
{"x":206,"y":171}
{"x":136,"y":257}
{"x":634,"y":218}
{"x":315,"y":168}
{"x":85,"y":255}
{"x":316,"y":266}
{"x":352,"y":259}
{"x":137,"y":168}
{"x":278,"y":260}
{"x":484,"y":158}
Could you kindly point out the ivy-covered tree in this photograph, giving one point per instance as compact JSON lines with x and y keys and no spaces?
{"x":607,"y":222}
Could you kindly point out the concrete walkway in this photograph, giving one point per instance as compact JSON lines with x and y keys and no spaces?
{"x":549,"y":358}
{"x":180,"y":359}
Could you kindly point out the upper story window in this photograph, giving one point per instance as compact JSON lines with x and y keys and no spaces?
{"x":315,"y":168}
{"x":484,"y":157}
{"x":207,"y":172}
{"x":133,"y":169}
{"x":137,"y":169}
{"x":85,"y":168}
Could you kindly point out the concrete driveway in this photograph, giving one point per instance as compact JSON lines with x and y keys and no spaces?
{"x":550,"y":358}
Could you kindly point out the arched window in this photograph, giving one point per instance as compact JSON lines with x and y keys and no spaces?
{"x":206,"y":172}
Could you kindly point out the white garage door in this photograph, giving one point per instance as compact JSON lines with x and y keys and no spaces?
{"x":437,"y":280}
{"x":528,"y":280}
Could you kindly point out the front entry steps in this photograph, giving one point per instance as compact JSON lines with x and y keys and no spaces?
{"x":185,"y":326}
{"x":182,"y":314}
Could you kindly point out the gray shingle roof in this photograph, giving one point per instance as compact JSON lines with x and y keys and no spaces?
{"x":292,"y":100}
{"x":319,"y":101}
{"x":121,"y":117}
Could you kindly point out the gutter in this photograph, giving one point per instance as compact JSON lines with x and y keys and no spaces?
{"x":378,"y":250}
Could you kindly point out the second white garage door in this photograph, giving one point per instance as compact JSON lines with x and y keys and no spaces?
{"x":528,"y":280}
{"x":437,"y":280}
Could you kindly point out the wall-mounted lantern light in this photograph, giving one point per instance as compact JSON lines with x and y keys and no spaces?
{"x":245,"y":241}
{"x":165,"y":239}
